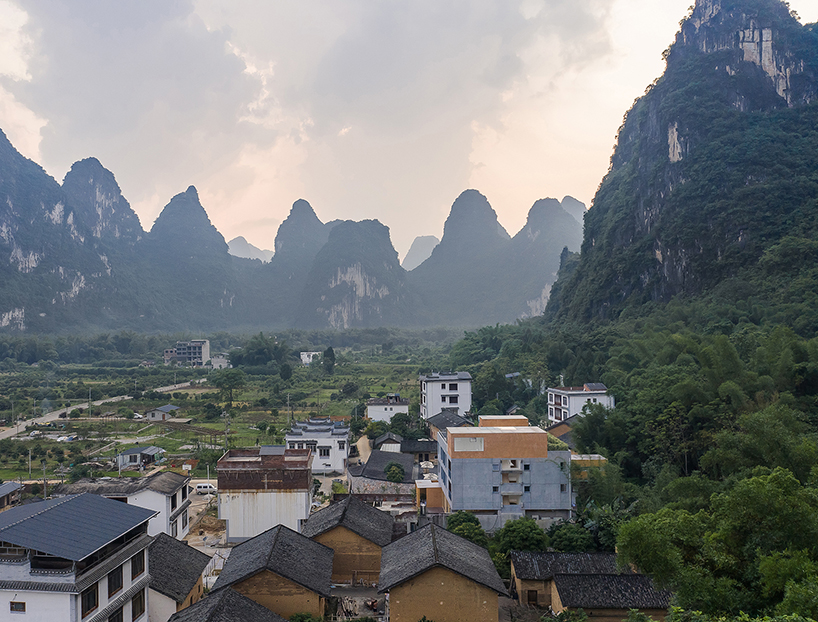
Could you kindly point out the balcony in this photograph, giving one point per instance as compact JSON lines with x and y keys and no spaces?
{"x":511,"y":466}
{"x":511,"y":490}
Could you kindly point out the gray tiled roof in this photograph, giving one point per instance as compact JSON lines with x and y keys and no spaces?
{"x":9,"y":487}
{"x":167,"y":409}
{"x":70,"y":527}
{"x":417,"y":447}
{"x":374,"y":467}
{"x":354,"y":514}
{"x":448,"y":419}
{"x":165,"y":482}
{"x":175,"y":567}
{"x":146,"y":449}
{"x":430,"y":547}
{"x":226,"y":606}
{"x":595,"y":386}
{"x":387,"y":436}
{"x":531,"y":566}
{"x":607,"y":591}
{"x":284,"y":552}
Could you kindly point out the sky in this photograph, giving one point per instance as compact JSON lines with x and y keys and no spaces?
{"x":382,"y":109}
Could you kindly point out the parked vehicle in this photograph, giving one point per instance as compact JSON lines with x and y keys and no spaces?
{"x":206,"y":489}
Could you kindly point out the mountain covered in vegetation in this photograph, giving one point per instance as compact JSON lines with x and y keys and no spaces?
{"x":77,"y":258}
{"x":714,"y":167}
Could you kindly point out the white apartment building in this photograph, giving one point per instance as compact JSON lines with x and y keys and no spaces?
{"x":166,"y":494}
{"x":565,"y":402}
{"x":445,"y":390}
{"x":383,"y":408}
{"x":81,"y":558}
{"x":328,"y":440}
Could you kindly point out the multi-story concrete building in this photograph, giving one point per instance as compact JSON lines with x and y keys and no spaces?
{"x":75,"y":558}
{"x":195,"y":352}
{"x":445,"y":390}
{"x":565,"y":402}
{"x":328,"y":440}
{"x":262,"y":487}
{"x":383,"y":408}
{"x":503,"y":473}
{"x":165,"y":493}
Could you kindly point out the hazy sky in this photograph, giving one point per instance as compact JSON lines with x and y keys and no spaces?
{"x":382,"y":109}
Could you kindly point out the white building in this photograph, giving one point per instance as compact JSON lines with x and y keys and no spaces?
{"x":328,"y":440}
{"x":79,"y":558}
{"x":262,"y":487}
{"x":135,"y":458}
{"x":382,"y":408}
{"x":166,"y":494}
{"x":163,"y":413}
{"x":565,"y":402}
{"x":195,"y":353}
{"x":309,"y":357}
{"x":446,"y":390}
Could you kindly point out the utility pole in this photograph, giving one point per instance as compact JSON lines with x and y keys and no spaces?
{"x":45,"y":482}
{"x":29,"y":463}
{"x":288,"y":410}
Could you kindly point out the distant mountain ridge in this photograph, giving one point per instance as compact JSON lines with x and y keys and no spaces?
{"x":75,"y":257}
{"x":240,"y":247}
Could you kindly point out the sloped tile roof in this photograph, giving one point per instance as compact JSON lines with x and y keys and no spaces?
{"x":226,"y":606}
{"x":284,"y":552}
{"x":448,"y":419}
{"x":610,"y":591}
{"x":354,"y":514}
{"x":433,"y":547}
{"x":164,"y":482}
{"x":70,"y":527}
{"x":531,"y":566}
{"x":376,"y":465}
{"x":175,"y":567}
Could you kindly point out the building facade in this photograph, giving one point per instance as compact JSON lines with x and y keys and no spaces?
{"x":195,"y":353}
{"x":445,"y":390}
{"x":79,"y":559}
{"x":262,"y":487}
{"x":163,"y":413}
{"x":503,"y":473}
{"x":383,"y":408}
{"x":565,"y":402}
{"x":328,"y":440}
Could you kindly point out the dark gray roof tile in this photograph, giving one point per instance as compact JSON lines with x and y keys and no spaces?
{"x":430,"y":547}
{"x":284,"y":552}
{"x":448,"y":419}
{"x":175,"y":567}
{"x":226,"y":606}
{"x":376,"y":465}
{"x":354,"y":514}
{"x":164,"y":482}
{"x":531,"y":566}
{"x":609,"y":591}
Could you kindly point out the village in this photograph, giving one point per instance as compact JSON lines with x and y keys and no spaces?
{"x":326,"y":525}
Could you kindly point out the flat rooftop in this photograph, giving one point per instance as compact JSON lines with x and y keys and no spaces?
{"x":496,"y":430}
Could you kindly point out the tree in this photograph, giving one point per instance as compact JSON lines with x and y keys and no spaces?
{"x":461,"y":517}
{"x":522,"y":534}
{"x":473,"y":533}
{"x":394,"y":472}
{"x":285,"y":371}
{"x":328,"y":360}
{"x":228,"y":381}
{"x":571,"y":538}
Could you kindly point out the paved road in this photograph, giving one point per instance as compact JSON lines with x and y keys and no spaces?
{"x":55,"y":414}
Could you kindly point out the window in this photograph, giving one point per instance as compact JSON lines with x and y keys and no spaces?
{"x":17,"y":607}
{"x":565,"y":400}
{"x":550,"y":398}
{"x":90,"y":599}
{"x":323,"y":452}
{"x":173,"y":502}
{"x":301,"y":445}
{"x":495,"y":467}
{"x":184,"y":492}
{"x":563,"y":487}
{"x":174,"y":528}
{"x":138,"y":605}
{"x":137,"y":564}
{"x":526,"y":467}
{"x":495,"y":489}
{"x":452,"y":387}
{"x":468,"y":443}
{"x":133,"y":458}
{"x":594,"y":400}
{"x":342,"y":445}
{"x":292,"y":445}
{"x":114,"y":581}
{"x":526,"y":488}
{"x":184,"y":520}
{"x":116,"y":616}
{"x":443,"y":399}
{"x":452,"y":399}
{"x":551,"y":412}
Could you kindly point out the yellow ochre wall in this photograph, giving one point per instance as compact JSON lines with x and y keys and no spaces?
{"x":489,"y":421}
{"x":194,"y":596}
{"x":356,"y":558}
{"x":443,"y":596}
{"x":280,"y":595}
{"x":509,"y":444}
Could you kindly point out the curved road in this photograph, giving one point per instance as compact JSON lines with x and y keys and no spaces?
{"x":55,"y":414}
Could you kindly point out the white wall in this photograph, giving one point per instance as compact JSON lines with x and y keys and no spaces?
{"x":152,"y":500}
{"x":433,"y":391}
{"x":160,"y":607}
{"x":385,"y":412}
{"x":576,"y":401}
{"x":40,"y":606}
{"x":249,"y":513}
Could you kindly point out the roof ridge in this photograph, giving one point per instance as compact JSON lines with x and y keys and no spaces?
{"x":434,"y":544}
{"x":273,"y":545}
{"x":44,"y":510}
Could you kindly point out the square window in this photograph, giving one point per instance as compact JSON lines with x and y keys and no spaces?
{"x":114,"y":581}
{"x":452,"y":387}
{"x":495,"y":489}
{"x":323,"y":452}
{"x":184,"y":493}
{"x":341,"y":444}
{"x":17,"y":607}
{"x":526,"y":467}
{"x":495,"y":468}
{"x":116,"y":616}
{"x":443,"y":399}
{"x":90,"y":599}
{"x":138,"y":605}
{"x":563,"y":487}
{"x":452,"y":399}
{"x":526,"y":488}
{"x":137,"y":564}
